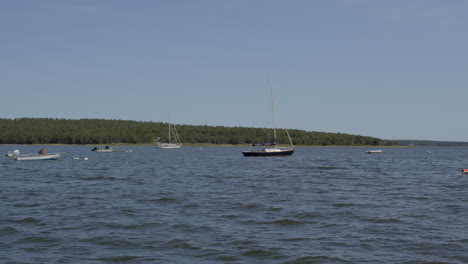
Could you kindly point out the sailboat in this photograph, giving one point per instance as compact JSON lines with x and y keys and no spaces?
{"x":272,"y":151}
{"x":169,"y":144}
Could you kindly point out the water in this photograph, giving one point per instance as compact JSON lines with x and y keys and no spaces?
{"x":211,"y":205}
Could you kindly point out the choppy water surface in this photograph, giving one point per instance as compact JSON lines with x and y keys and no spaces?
{"x":212,"y":205}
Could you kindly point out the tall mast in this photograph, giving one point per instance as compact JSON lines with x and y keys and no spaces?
{"x":169,"y":132}
{"x":273,"y":109}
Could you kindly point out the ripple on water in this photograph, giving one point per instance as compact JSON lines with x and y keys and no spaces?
{"x":323,"y":205}
{"x":8,"y":231}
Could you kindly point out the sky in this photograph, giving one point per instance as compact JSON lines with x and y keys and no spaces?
{"x":395,"y":69}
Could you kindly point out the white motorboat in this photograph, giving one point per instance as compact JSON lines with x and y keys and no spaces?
{"x":17,"y":156}
{"x":109,"y":149}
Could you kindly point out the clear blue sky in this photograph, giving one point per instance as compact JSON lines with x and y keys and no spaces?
{"x":390,"y":69}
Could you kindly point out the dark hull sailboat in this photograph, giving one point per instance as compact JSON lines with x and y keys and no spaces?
{"x":273,"y":151}
{"x":267,"y":153}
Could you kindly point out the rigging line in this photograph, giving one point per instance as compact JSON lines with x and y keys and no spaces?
{"x":176,"y":135}
{"x":287,"y":131}
{"x":273,"y":108}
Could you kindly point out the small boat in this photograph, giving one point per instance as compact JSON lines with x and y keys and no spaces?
{"x":109,"y":149}
{"x":273,"y":151}
{"x":269,"y":152}
{"x":374,"y":151}
{"x":17,"y":156}
{"x":78,"y":158}
{"x":465,"y":171}
{"x":169,"y":144}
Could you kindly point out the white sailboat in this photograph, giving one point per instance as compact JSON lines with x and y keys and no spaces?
{"x":273,"y":151}
{"x":169,"y":144}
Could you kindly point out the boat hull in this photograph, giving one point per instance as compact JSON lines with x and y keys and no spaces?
{"x":168,"y":146}
{"x":38,"y":157}
{"x":262,"y":153}
{"x":107,"y":150}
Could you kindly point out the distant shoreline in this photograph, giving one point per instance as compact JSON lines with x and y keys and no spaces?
{"x":102,"y":131}
{"x":226,"y":145}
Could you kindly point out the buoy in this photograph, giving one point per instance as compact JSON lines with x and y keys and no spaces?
{"x":465,"y":171}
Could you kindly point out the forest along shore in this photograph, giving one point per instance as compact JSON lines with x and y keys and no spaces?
{"x":105,"y":132}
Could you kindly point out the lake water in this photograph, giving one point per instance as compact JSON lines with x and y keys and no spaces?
{"x":212,"y":205}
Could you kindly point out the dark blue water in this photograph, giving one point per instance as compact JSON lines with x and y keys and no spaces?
{"x":212,"y":205}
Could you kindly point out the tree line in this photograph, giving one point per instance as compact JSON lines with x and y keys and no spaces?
{"x":104,"y":131}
